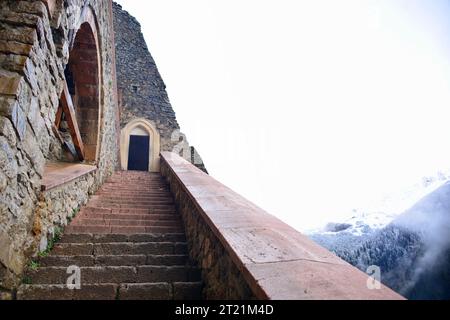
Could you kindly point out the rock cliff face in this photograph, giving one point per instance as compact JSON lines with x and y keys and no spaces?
{"x":141,"y":88}
{"x":142,"y":92}
{"x":35,"y":42}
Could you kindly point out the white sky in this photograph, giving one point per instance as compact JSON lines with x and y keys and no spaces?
{"x":307,"y":108}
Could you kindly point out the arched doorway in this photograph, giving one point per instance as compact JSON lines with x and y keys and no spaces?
{"x":139,"y":150}
{"x":80,"y":101}
{"x":140,"y":146}
{"x":83,"y":65}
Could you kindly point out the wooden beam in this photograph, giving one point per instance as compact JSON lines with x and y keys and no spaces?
{"x":57,"y":134}
{"x":58,"y":116}
{"x":69,"y":111}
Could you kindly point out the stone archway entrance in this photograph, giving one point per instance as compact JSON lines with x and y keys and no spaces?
{"x":80,"y":99}
{"x":140,"y":146}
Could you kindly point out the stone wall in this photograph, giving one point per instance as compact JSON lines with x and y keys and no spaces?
{"x":222,"y":278}
{"x":141,"y":88}
{"x":57,"y":206}
{"x":35,"y":38}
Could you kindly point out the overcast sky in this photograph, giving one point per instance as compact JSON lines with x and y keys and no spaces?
{"x":307,"y":108}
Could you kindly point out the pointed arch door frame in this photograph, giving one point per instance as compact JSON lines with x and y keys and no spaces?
{"x":155,"y":143}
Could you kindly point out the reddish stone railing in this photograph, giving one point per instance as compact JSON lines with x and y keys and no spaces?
{"x":245,"y":252}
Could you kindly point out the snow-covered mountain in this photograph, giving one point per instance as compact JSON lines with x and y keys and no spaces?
{"x":407,"y":235}
{"x":381,"y":212}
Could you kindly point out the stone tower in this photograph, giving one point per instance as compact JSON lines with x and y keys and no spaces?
{"x":144,"y":105}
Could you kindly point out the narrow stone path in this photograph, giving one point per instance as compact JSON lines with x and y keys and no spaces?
{"x":128,"y":243}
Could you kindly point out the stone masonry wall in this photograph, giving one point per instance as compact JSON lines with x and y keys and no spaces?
{"x":222,"y":279}
{"x":143,"y":92}
{"x":34,"y":42}
{"x":56,"y":207}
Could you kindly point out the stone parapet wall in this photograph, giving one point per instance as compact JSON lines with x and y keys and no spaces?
{"x":35,"y":39}
{"x":244,"y":252}
{"x":221,"y":276}
{"x":56,"y":207}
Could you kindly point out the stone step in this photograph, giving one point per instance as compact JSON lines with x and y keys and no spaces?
{"x":156,"y":191}
{"x":61,"y":292}
{"x":136,"y":197}
{"x":135,"y":186}
{"x":82,"y":220}
{"x":96,"y":209}
{"x":119,"y":248}
{"x":137,"y":178}
{"x":120,"y":229}
{"x":113,"y":260}
{"x":140,"y":193}
{"x":128,"y":242}
{"x":116,"y":274}
{"x":132,"y":202}
{"x":161,"y":291}
{"x":92,"y":214}
{"x":110,"y":205}
{"x":133,"y":291}
{"x":132,"y":197}
{"x":108,"y":238}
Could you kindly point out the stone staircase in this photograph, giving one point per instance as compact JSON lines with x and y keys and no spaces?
{"x":128,"y":243}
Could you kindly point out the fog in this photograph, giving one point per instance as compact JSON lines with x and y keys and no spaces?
{"x":307,"y":108}
{"x":430,"y":218}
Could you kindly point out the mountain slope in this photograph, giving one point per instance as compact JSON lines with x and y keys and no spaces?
{"x":413,"y":251}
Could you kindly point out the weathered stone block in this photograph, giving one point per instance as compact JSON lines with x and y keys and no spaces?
{"x":18,"y":119}
{"x":34,"y":118}
{"x":15,"y":47}
{"x":19,"y":19}
{"x":24,"y":95}
{"x":11,"y":258}
{"x":25,"y":35}
{"x":8,"y":162}
{"x":138,"y":291}
{"x":3,"y":181}
{"x":34,"y":7}
{"x":51,"y":6}
{"x":7,"y":130}
{"x":13,"y":62}
{"x":9,"y":84}
{"x":31,"y":148}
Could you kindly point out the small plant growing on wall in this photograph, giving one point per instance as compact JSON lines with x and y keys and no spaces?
{"x":51,"y":243}
{"x":73,"y":215}
{"x":34,"y":265}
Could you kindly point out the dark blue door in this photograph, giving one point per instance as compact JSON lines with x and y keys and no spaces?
{"x":138,"y":153}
